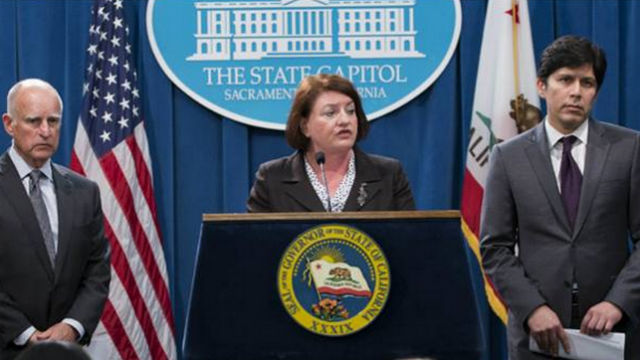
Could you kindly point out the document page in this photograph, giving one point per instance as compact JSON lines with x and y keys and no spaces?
{"x":585,"y":347}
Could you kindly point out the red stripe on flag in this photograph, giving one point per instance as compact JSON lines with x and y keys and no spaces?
{"x":75,"y":164}
{"x":114,"y":327}
{"x":112,"y":323}
{"x":122,"y":192}
{"x":332,"y":291}
{"x":472,"y":194}
{"x":123,"y":270}
{"x":144,"y":180}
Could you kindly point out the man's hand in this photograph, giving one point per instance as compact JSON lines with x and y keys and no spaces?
{"x":35,"y":337}
{"x":600,"y":319}
{"x":546,"y":329}
{"x":60,"y":331}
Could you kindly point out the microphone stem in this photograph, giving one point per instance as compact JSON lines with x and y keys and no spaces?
{"x":326,"y":184}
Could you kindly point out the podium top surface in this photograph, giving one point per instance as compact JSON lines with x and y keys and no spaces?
{"x":434,"y":214}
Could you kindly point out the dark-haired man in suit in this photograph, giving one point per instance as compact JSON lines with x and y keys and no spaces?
{"x":54,"y":258}
{"x":561,"y":201}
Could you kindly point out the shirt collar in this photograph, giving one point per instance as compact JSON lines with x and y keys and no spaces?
{"x":24,"y":169}
{"x":553,"y":135}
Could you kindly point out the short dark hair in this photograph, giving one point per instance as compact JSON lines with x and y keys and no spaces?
{"x":54,"y":350}
{"x":308,"y":91}
{"x":572,"y":51}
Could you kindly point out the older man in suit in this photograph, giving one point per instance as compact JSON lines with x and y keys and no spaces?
{"x":54,"y":258}
{"x":561,"y":201}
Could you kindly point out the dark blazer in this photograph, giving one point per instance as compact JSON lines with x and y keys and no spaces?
{"x":31,"y":291}
{"x":282,"y":185}
{"x":522,"y":206}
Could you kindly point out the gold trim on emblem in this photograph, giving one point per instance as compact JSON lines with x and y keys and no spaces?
{"x":314,"y":260}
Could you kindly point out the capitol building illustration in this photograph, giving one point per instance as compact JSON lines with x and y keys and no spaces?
{"x":253,"y":30}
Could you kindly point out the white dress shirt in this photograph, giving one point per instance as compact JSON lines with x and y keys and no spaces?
{"x":578,"y":150}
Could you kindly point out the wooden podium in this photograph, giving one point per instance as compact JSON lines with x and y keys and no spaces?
{"x":235,"y":311}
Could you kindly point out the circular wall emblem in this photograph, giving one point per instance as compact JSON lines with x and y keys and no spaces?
{"x":333,"y":280}
{"x":245,"y":58}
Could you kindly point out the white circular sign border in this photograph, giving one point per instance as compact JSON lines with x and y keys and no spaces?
{"x":273,"y":126}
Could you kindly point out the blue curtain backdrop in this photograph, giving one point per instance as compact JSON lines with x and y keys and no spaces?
{"x":204,"y":163}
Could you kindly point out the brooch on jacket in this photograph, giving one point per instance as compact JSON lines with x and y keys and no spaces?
{"x":362,"y":194}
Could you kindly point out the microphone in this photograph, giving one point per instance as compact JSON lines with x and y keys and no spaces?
{"x":320,"y":161}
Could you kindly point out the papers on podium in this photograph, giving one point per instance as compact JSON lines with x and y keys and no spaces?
{"x":585,"y":347}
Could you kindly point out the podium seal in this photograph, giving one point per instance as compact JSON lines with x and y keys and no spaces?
{"x":333,"y":280}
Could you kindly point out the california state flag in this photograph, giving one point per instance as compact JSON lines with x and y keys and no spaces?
{"x":505,"y":103}
{"x":339,"y":279}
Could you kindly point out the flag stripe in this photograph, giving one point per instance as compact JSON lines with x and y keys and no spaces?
{"x":145,"y":180}
{"x":116,"y":287}
{"x":119,"y":262}
{"x":116,"y":330}
{"x":136,"y":170}
{"x":131,"y":323}
{"x":496,"y":302}
{"x":123,"y":194}
{"x":343,"y":291}
{"x":144,"y":216}
{"x":75,"y":163}
{"x":117,"y":291}
{"x":113,"y":213}
{"x":132,"y":167}
{"x":472,"y":193}
{"x":128,"y":166}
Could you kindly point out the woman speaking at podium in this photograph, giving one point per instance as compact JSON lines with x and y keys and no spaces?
{"x":328,"y":172}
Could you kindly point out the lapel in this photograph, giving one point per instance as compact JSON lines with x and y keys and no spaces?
{"x":595,"y":158}
{"x":366,"y":185}
{"x":297,"y":186}
{"x":17,"y":198}
{"x":65,"y":204}
{"x":539,"y":156}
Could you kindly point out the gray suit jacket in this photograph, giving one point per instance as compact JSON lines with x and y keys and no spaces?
{"x":522,"y":206}
{"x":282,"y":185}
{"x":32,"y":292}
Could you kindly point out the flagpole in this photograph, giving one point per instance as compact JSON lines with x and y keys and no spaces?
{"x":516,"y":71}
{"x":312,"y":279}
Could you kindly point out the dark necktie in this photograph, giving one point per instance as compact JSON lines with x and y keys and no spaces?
{"x":570,"y":180}
{"x":35,"y":194}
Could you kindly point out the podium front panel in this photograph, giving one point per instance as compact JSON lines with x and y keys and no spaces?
{"x":235,"y":311}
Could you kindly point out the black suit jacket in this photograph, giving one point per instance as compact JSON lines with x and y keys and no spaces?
{"x":282,"y":185}
{"x":32,"y":292}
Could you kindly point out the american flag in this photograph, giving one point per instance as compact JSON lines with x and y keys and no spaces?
{"x":111,"y":149}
